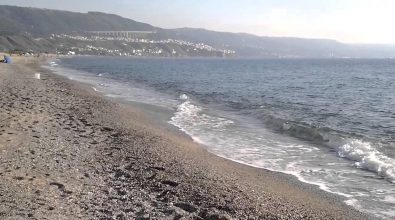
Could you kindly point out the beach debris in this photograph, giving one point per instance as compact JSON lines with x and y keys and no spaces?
{"x":186,"y":206}
{"x":170,"y":183}
{"x":160,"y":168}
{"x":61,"y":187}
{"x":106,"y":129}
{"x":118,"y":173}
{"x":37,"y":76}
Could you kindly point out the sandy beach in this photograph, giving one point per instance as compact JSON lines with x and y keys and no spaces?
{"x":66,"y":152}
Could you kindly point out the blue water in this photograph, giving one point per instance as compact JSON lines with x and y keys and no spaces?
{"x":328,"y":122}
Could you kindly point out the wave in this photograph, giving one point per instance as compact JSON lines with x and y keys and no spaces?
{"x":369,"y":158}
{"x":190,"y":116}
{"x":295,"y":129}
{"x":363,"y":153}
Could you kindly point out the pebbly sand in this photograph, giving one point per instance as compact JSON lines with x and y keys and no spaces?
{"x":68,"y":153}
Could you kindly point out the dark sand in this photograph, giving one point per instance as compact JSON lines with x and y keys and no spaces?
{"x":68,"y":153}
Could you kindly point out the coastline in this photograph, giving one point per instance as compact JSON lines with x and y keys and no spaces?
{"x":107,"y":159}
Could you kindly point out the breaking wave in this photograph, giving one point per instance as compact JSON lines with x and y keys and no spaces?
{"x":189,"y":117}
{"x":368,"y":157}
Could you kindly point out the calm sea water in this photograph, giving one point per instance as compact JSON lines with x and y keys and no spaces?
{"x":328,"y":122}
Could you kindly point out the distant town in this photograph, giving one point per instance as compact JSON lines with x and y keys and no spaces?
{"x":130,"y":43}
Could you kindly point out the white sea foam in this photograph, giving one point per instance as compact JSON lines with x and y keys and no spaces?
{"x":369,"y":158}
{"x":189,"y":116}
{"x":390,"y":199}
{"x":183,"y":97}
{"x":352,"y":202}
{"x":214,"y":132}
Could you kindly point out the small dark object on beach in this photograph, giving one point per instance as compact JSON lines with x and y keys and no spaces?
{"x":158,"y":168}
{"x":170,"y":183}
{"x":107,"y":129}
{"x":59,"y":185}
{"x":186,"y":206}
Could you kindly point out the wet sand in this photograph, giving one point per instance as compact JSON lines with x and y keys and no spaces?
{"x":66,"y":152}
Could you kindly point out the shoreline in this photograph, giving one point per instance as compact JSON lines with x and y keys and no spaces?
{"x":115,"y":162}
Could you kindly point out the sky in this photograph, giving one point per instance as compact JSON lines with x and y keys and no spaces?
{"x":349,"y":21}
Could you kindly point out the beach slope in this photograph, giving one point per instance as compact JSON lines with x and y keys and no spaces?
{"x":66,"y":152}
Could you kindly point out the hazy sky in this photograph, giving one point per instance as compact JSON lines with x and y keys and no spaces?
{"x":354,"y":21}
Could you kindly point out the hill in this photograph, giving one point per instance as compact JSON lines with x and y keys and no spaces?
{"x":41,"y":22}
{"x":248,"y":45}
{"x":36,"y":29}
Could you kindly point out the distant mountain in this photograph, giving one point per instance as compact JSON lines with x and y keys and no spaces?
{"x":31,"y":29}
{"x":252,"y":45}
{"x":18,"y":20}
{"x":248,"y":45}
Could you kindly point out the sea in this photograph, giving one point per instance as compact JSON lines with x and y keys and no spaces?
{"x":328,"y":122}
